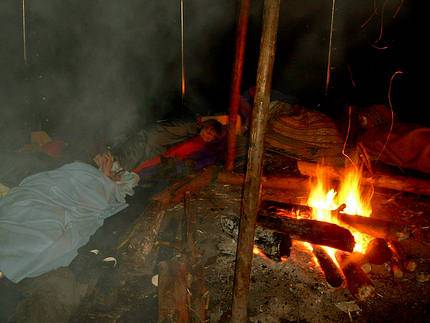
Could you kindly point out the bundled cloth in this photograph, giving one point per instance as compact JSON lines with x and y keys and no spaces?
{"x":303,"y":134}
{"x":49,"y":215}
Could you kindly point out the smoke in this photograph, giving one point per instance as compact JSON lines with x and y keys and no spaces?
{"x":103,"y":67}
{"x":100,"y":68}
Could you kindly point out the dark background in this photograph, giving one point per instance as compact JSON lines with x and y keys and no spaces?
{"x":109,"y":66}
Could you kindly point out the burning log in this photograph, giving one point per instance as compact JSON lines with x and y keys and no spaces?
{"x":377,"y":228}
{"x":398,"y":252}
{"x":399,"y":183}
{"x":315,"y":232}
{"x":357,"y":281}
{"x":331,"y":271}
{"x":378,"y":252}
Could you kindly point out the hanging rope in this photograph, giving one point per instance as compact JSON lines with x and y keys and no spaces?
{"x":24,"y":40}
{"x":392,"y":114}
{"x":182,"y":52}
{"x":327,"y":82}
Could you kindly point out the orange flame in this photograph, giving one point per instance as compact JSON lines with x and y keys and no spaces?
{"x":323,"y":200}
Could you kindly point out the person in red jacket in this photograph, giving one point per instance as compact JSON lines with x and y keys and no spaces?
{"x":204,"y":149}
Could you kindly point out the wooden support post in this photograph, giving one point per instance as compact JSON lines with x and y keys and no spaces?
{"x":241,"y":31}
{"x":251,"y":195}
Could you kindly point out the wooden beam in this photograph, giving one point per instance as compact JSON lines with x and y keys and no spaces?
{"x":251,"y":196}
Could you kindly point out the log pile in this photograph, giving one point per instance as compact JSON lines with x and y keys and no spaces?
{"x":383,"y":249}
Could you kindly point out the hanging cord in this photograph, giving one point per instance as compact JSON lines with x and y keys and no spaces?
{"x":182,"y":53}
{"x":373,"y":14}
{"x":392,"y":114}
{"x":327,"y":82}
{"x":347,"y":137}
{"x":398,"y":9}
{"x":381,"y":28}
{"x":24,"y":40}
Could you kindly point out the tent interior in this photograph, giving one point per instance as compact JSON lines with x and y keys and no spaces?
{"x":116,"y":207}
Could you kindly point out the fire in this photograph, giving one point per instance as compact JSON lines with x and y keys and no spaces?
{"x":324,"y":200}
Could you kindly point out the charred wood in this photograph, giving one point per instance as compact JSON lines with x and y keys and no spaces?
{"x":316,"y":232}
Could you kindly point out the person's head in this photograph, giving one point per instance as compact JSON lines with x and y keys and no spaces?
{"x":374,"y":115}
{"x":211,"y":130}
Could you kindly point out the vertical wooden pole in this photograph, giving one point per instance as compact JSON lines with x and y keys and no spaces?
{"x":251,"y":197}
{"x":241,"y":31}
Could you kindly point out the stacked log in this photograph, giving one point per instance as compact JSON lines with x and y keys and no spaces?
{"x":331,"y":271}
{"x":378,"y":228}
{"x":357,"y":281}
{"x":313,"y":231}
{"x":406,"y":262}
{"x":378,"y":252}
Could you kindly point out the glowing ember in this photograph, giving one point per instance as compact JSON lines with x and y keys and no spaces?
{"x":324,"y":200}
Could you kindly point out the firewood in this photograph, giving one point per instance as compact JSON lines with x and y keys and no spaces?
{"x":172,"y":292}
{"x":286,"y":207}
{"x":142,"y":237}
{"x":316,"y":232}
{"x":357,"y":281}
{"x":378,"y":252}
{"x":331,"y":271}
{"x":378,"y":228}
{"x":399,"y":183}
{"x":199,"y":293}
{"x":272,"y":182}
{"x":408,"y":264}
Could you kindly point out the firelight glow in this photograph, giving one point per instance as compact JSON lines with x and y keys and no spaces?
{"x":324,"y":200}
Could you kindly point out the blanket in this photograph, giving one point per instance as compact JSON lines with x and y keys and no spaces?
{"x":49,"y":215}
{"x":408,"y":145}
